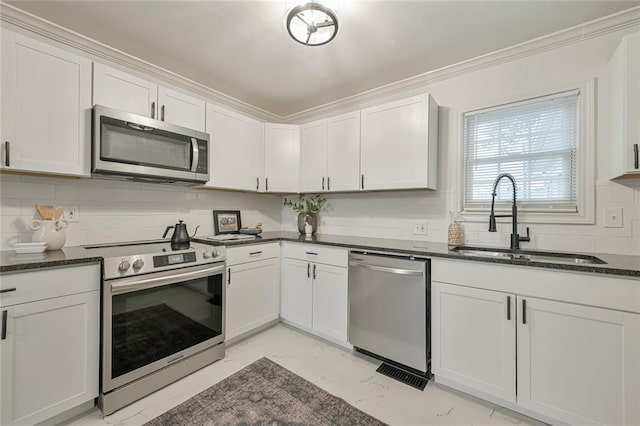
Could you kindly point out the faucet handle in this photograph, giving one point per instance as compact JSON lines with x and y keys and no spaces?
{"x":525,"y":239}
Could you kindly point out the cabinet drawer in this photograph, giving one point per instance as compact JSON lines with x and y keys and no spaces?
{"x":317,"y":253}
{"x":253,"y":252}
{"x":48,"y":283}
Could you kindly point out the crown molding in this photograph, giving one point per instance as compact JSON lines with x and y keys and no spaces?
{"x":600,"y":27}
{"x":417,"y":84}
{"x":28,"y":22}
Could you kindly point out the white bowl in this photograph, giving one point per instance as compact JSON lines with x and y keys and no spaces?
{"x":22,"y":248}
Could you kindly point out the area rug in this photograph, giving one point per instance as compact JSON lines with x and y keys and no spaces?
{"x":265,"y":394}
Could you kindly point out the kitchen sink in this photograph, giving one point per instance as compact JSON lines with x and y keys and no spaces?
{"x":528,"y":255}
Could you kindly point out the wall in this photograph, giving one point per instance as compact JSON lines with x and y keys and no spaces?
{"x":393,"y":215}
{"x":112,"y":211}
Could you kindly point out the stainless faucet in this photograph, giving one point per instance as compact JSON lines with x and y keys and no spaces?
{"x":515,"y":238}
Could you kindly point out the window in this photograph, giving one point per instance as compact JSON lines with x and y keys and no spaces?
{"x":536,"y":141}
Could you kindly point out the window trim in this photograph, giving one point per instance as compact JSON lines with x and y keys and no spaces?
{"x":586,"y":165}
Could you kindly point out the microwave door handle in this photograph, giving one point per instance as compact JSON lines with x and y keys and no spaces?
{"x":195,"y":155}
{"x":139,"y":127}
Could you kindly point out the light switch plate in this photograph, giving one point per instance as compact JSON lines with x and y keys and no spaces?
{"x":613,"y":217}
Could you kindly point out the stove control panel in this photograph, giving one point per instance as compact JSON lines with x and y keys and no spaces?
{"x":161,"y":260}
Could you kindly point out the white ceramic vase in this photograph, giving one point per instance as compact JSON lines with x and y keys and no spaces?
{"x":50,"y":232}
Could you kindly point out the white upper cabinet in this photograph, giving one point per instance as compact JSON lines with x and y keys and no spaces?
{"x":281,"y":158}
{"x":313,"y":156}
{"x":46,"y":108}
{"x":236,"y":150}
{"x":125,"y":92}
{"x":621,"y":95}
{"x":399,"y":145}
{"x":343,"y":152}
{"x":119,"y":90}
{"x":181,"y":109}
{"x":330,"y":154}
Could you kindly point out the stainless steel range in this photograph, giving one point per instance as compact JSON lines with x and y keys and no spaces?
{"x":163,"y":316}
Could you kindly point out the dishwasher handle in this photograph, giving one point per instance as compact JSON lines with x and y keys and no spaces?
{"x":397,"y":271}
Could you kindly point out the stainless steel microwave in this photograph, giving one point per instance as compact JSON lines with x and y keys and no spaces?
{"x":141,"y":148}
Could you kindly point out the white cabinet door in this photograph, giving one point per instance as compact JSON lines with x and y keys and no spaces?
{"x":620,"y":90}
{"x":399,"y":144}
{"x":125,"y":92}
{"x":474,"y":339}
{"x":313,"y":156}
{"x":330,"y":301}
{"x":281,"y":157}
{"x":181,"y":109}
{"x":578,"y":364}
{"x":253,"y":296}
{"x":343,"y":152}
{"x":236,"y":150}
{"x":49,"y":358}
{"x":297,"y":292}
{"x":46,"y":107}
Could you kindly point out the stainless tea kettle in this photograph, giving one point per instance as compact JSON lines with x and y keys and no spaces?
{"x":180,"y":238}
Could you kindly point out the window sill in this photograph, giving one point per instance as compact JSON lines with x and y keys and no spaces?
{"x":530,"y":217}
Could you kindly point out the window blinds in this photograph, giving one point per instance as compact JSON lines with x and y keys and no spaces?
{"x":536,"y":142}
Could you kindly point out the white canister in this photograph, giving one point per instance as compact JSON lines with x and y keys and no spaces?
{"x":50,"y":232}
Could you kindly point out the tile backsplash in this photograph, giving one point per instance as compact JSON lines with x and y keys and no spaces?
{"x":393,"y":215}
{"x":112,"y":211}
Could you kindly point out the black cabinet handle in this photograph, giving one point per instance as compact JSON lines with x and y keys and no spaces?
{"x":323,"y":183}
{"x":266,"y":184}
{"x":4,"y":325}
{"x":314,"y":271}
{"x":229,"y":276}
{"x":153,"y":110}
{"x":524,"y":311}
{"x":311,"y":253}
{"x":636,"y":160}
{"x":508,"y":308}
{"x":257,"y":183}
{"x":7,"y":290}
{"x":362,"y":181}
{"x":254,"y":253}
{"x":7,"y":154}
{"x":328,"y":183}
{"x":308,"y":270}
{"x":162,"y":113}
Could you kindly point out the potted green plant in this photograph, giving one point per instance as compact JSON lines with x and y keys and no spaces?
{"x":307,"y":208}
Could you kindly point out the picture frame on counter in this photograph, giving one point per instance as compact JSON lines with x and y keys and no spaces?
{"x":226,"y":221}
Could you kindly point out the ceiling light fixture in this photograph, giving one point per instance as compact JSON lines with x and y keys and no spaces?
{"x":312,"y":24}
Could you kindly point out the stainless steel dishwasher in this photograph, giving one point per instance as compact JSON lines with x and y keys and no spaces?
{"x":389,"y":309}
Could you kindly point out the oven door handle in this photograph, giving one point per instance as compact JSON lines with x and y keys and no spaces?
{"x":165,"y":280}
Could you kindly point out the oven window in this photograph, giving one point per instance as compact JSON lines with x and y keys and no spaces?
{"x":152,"y":324}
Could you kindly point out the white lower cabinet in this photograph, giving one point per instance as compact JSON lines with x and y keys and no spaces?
{"x":49,"y":352}
{"x":578,"y":364}
{"x":314,"y":294}
{"x":575,"y":364}
{"x":474,"y":338}
{"x":253,"y":288}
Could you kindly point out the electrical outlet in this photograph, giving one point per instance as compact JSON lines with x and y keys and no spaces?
{"x":71,"y":214}
{"x":613,"y":217}
{"x":420,"y":228}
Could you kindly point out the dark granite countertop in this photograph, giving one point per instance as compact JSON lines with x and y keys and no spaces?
{"x":616,"y":264}
{"x":621,"y":265}
{"x":11,"y":261}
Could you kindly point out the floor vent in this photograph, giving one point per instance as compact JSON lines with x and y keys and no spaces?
{"x":403,"y":376}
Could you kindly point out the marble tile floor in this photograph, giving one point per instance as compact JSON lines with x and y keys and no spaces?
{"x":343,"y":373}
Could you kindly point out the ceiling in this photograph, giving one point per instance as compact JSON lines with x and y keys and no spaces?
{"x":242,"y":49}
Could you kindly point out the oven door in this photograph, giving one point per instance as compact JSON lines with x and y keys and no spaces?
{"x":155,"y":320}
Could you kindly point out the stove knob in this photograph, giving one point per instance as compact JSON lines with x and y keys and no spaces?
{"x":123,"y":266}
{"x":206,"y":254}
{"x":139,"y":263}
{"x":214,"y":253}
